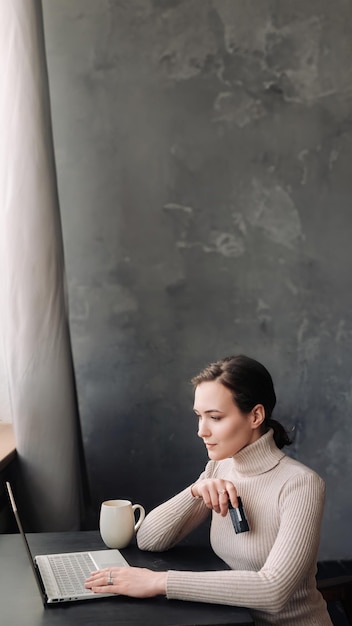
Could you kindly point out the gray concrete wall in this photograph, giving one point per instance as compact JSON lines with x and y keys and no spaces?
{"x":204,"y":152}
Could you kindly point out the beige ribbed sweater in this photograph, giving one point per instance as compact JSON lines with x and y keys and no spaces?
{"x":273,"y":566}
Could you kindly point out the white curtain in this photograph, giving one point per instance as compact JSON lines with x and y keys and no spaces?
{"x":35,"y":341}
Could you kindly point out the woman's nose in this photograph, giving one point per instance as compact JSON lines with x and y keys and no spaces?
{"x":203,"y":430}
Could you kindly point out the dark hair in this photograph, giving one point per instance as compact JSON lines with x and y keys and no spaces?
{"x":251,"y":384}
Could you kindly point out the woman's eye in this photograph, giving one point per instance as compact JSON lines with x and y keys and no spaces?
{"x":216,"y":418}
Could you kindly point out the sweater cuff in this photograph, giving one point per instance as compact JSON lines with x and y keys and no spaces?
{"x":196,"y":587}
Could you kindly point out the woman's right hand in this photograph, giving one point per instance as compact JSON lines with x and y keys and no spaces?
{"x":216,"y":493}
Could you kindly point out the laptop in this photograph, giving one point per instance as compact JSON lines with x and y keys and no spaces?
{"x":61,"y":577}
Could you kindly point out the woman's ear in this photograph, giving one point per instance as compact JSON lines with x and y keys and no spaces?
{"x":258,"y":415}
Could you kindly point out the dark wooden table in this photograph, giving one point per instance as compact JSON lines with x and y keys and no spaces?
{"x":21,"y":605}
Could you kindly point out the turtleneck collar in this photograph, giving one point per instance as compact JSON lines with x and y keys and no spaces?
{"x":259,"y":457}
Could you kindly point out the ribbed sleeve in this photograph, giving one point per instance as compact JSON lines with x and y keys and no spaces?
{"x":168,"y":523}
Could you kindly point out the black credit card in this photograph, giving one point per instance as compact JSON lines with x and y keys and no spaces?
{"x":238,"y":517}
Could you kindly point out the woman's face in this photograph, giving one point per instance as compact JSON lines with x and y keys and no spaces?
{"x":224,"y":429}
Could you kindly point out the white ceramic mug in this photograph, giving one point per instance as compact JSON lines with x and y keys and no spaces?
{"x":117,"y":522}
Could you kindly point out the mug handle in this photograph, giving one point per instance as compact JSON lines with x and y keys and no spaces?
{"x":141,"y":515}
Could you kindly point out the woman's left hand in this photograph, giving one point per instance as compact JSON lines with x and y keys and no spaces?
{"x":136,"y":582}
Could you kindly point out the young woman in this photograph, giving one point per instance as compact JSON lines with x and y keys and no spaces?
{"x":273,"y":565}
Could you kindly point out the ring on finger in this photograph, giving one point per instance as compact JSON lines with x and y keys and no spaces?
{"x":110,"y":579}
{"x":222,"y":492}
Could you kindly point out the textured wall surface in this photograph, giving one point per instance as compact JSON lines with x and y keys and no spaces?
{"x":204,"y":152}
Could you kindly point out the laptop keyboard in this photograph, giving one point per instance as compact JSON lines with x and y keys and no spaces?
{"x":71,"y":571}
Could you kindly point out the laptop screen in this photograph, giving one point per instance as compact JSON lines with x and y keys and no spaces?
{"x":24,"y":538}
